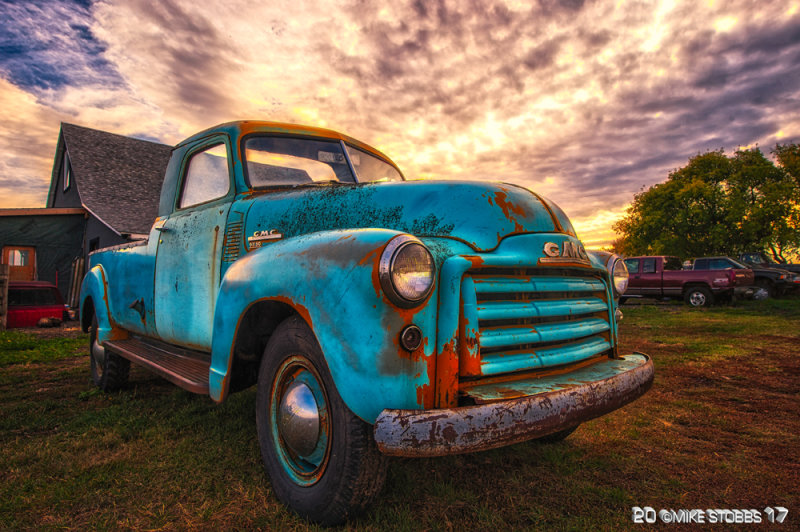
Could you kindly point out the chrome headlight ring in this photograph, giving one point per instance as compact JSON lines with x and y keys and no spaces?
{"x":618,"y":272}
{"x":406,"y":271}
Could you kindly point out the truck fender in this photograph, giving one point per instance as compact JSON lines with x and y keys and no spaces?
{"x":330,"y":279}
{"x":95,"y":289}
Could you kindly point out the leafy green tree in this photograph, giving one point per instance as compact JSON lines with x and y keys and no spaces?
{"x":788,"y":157}
{"x":716,"y":205}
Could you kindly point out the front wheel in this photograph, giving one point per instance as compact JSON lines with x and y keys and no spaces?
{"x":698,"y":296}
{"x":109,"y":371}
{"x":321,"y":459}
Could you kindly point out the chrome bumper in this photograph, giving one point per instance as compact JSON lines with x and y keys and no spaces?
{"x":574,"y":398}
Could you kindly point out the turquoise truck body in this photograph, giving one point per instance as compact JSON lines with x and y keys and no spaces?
{"x":514,"y":292}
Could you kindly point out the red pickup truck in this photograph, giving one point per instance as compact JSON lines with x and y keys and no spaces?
{"x":665,"y":277}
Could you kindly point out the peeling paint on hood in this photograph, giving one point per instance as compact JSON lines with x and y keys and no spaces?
{"x":479,"y":214}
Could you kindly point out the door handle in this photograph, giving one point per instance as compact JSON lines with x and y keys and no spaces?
{"x":162,"y":229}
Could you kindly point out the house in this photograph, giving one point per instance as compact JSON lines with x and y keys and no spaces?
{"x":104,"y":191}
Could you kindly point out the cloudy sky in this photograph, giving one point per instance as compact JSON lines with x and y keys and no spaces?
{"x":584,"y":102}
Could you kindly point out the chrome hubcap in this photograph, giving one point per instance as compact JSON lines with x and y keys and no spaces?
{"x":298,"y":419}
{"x":697,"y":299}
{"x":300,"y":424}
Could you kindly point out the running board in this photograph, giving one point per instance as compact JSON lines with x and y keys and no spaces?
{"x":188,"y":369}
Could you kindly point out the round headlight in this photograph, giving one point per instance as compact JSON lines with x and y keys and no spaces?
{"x":619,"y":274}
{"x":406,"y":271}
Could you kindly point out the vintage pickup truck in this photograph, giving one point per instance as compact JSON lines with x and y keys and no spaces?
{"x":707,"y":281}
{"x":377,"y":316}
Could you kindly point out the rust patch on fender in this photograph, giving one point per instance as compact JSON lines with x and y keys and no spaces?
{"x":447,"y":376}
{"x":303,"y":311}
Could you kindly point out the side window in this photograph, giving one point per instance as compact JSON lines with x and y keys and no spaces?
{"x":206,"y":177}
{"x":649,"y":266}
{"x":721,"y":264}
{"x":16,"y":297}
{"x":701,"y":264}
{"x":633,"y":265}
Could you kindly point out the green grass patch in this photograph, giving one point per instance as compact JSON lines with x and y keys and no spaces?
{"x":25,"y":348}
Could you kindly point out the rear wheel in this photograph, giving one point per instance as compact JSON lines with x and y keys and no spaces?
{"x":698,"y":296}
{"x":321,"y":459}
{"x":109,"y":370}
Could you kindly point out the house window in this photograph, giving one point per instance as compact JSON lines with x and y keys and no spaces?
{"x":67,"y":171}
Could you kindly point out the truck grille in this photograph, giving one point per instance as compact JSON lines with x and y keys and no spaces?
{"x":525,"y":319}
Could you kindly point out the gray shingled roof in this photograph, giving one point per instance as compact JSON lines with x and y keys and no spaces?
{"x":118,"y":178}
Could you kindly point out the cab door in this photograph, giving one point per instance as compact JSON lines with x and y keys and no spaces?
{"x":189,"y":252}
{"x":650,"y":277}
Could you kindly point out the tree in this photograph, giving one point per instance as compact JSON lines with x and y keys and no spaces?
{"x":788,"y":156}
{"x":718,"y":205}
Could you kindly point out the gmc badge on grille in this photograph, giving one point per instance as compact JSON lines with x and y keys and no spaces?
{"x":569,"y":252}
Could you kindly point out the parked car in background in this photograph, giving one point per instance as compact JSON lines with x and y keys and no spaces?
{"x":662,"y":276}
{"x":763,"y":260}
{"x":776,"y":282}
{"x":760,"y":262}
{"x":30,"y":301}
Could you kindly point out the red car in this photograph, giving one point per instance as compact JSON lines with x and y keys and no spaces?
{"x":30,"y":301}
{"x":710,"y":279}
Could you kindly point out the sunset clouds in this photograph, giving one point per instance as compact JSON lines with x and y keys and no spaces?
{"x":584,"y":102}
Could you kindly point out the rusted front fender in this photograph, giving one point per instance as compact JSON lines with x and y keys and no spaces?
{"x":570,"y":399}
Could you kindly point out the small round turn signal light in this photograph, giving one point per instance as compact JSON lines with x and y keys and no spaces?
{"x":411,"y":337}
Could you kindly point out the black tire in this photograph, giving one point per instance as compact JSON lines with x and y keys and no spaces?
{"x":342,"y":474}
{"x":109,"y":370}
{"x":557,"y":436}
{"x":698,"y":296}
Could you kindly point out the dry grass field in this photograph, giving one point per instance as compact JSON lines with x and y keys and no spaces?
{"x":719,"y":429}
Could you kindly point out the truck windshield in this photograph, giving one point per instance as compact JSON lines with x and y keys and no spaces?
{"x":276,"y":161}
{"x":370,"y":168}
{"x":757,"y":258}
{"x":295,"y":161}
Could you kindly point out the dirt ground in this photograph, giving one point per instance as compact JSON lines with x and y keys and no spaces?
{"x":730,"y":423}
{"x":68,"y":329}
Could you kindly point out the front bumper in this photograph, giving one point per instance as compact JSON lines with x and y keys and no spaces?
{"x":564,"y":401}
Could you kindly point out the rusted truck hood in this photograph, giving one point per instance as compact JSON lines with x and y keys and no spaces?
{"x":479,"y":214}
